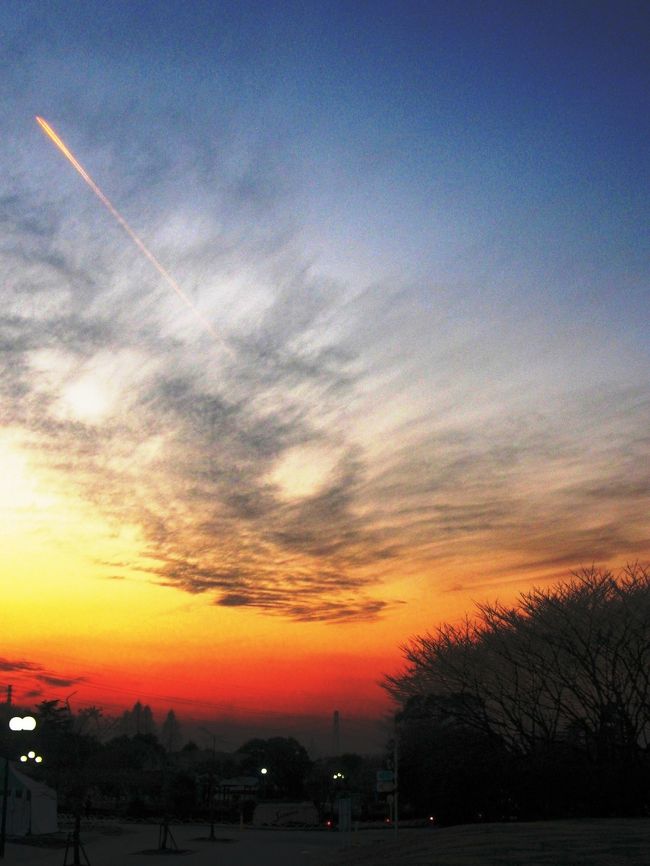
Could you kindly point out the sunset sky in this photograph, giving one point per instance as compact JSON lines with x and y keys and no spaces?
{"x":415,"y":235}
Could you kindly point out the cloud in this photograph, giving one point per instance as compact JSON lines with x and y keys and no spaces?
{"x":187,"y":454}
{"x":30,"y":673}
{"x":352,"y":609}
{"x":58,"y":682}
{"x":18,"y":665}
{"x":444,"y":436}
{"x":186,"y":451}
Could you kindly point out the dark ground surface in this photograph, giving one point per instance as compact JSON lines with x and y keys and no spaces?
{"x":624,"y":842}
{"x":133,"y":844}
{"x":553,"y":843}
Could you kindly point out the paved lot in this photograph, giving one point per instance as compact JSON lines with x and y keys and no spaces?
{"x":587,"y":842}
{"x":118,"y":844}
{"x":616,"y":842}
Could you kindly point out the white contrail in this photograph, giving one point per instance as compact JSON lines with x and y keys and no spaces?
{"x":47,"y":129}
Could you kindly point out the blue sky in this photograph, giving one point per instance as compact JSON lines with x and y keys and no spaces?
{"x":421,"y":230}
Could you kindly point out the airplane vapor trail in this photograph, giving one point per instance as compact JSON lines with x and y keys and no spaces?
{"x":47,"y":129}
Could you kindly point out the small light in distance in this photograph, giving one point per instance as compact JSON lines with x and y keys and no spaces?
{"x":31,"y":754}
{"x":264,"y":771}
{"x":38,"y":759}
{"x":23,"y":758}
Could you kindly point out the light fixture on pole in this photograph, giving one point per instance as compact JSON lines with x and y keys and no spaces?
{"x":31,"y":756}
{"x":17,"y":723}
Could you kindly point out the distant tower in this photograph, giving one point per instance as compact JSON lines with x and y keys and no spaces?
{"x":9,"y":691}
{"x":336,"y":725}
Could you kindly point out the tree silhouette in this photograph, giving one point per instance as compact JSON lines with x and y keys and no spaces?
{"x":562,"y":676}
{"x":138,"y":720}
{"x":285,"y":759}
{"x":170,"y":732}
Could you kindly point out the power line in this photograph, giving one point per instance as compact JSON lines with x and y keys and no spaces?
{"x":219,"y":707}
{"x":177,"y":699}
{"x":223,"y":707}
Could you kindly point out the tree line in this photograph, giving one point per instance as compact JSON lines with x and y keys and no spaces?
{"x":537,"y":709}
{"x":129,"y":767}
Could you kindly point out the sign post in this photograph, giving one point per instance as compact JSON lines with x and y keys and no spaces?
{"x":387,"y":784}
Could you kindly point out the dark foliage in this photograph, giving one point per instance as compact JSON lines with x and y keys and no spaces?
{"x":285,"y":759}
{"x":536,"y":710}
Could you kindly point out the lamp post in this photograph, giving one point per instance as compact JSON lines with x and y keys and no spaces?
{"x":212,"y":837}
{"x":31,"y":756}
{"x":396,"y":777}
{"x":341,"y":796}
{"x":263,"y":787}
{"x":5,"y":794}
{"x":17,"y":723}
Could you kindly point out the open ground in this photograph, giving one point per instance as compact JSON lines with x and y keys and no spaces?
{"x":615,"y":842}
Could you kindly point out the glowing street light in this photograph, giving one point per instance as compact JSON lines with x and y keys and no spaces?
{"x":31,"y":756}
{"x":16,"y":723}
{"x":22,"y":723}
{"x":263,"y":783}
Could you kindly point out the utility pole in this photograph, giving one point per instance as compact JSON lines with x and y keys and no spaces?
{"x":27,"y":723}
{"x":5,"y":792}
{"x":336,"y":724}
{"x":396,"y":778}
{"x":5,"y":797}
{"x":211,"y":779}
{"x":211,"y":788}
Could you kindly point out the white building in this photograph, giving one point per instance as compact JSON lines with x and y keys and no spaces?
{"x":31,"y":805}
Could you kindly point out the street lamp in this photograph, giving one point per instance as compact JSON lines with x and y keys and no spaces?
{"x":211,"y":791}
{"x":17,"y":723}
{"x":22,"y":723}
{"x":31,"y":756}
{"x":263,"y":787}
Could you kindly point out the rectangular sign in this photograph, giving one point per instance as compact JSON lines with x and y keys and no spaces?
{"x":385,"y":775}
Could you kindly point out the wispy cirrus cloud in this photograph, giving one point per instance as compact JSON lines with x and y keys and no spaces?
{"x":10,"y":665}
{"x":434,"y":427}
{"x":188,"y":456}
{"x":27,"y":674}
{"x":58,"y":682}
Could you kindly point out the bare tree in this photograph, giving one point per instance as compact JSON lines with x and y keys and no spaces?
{"x":567,"y":663}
